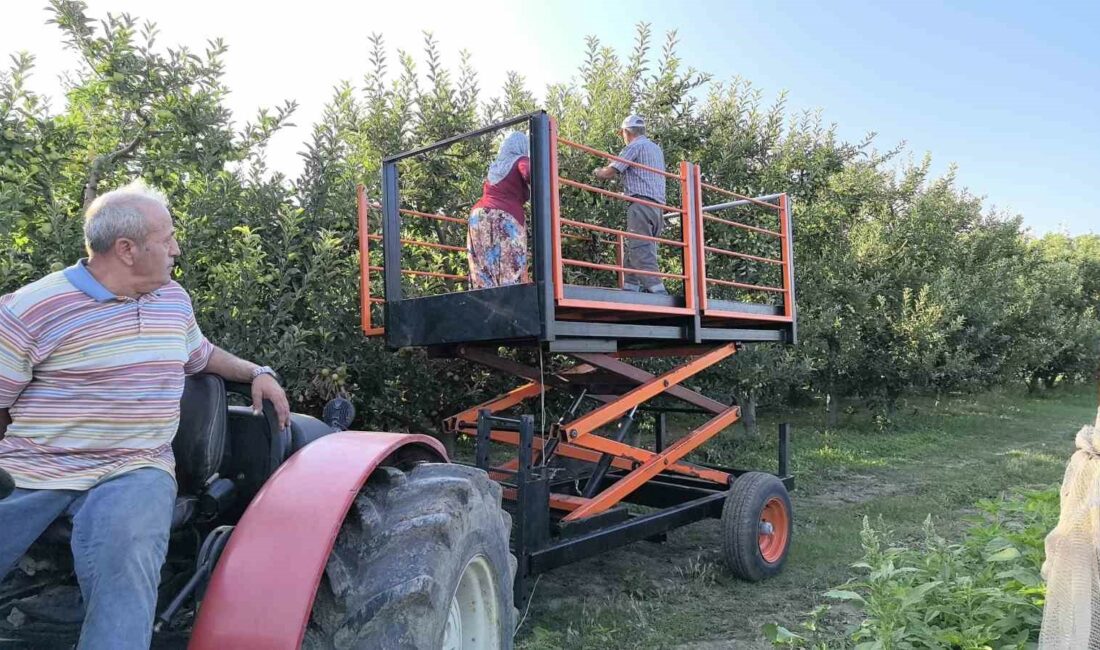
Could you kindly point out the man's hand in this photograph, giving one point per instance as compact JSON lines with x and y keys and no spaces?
{"x":605,"y":173}
{"x":265,"y":387}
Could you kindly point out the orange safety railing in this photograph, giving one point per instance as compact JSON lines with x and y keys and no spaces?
{"x":366,"y":268}
{"x":705,"y":217}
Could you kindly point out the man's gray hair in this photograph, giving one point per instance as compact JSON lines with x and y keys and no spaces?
{"x":635,"y":130}
{"x":117,"y":215}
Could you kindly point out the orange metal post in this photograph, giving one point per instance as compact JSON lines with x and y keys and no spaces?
{"x":785,"y":246}
{"x":619,"y":258}
{"x":686,"y":224}
{"x":364,"y":251}
{"x":365,"y":300}
{"x":700,"y":241}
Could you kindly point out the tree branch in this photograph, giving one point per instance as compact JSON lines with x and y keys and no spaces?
{"x":104,"y":161}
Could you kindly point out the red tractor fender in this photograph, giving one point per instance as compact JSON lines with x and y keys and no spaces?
{"x":262,"y":589}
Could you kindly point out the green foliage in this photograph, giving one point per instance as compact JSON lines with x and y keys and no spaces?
{"x":904,"y":282}
{"x":982,"y":592}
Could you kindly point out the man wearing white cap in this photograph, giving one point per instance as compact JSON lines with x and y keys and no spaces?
{"x":640,"y":218}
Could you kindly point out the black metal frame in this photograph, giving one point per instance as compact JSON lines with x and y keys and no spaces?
{"x":541,"y":543}
{"x":506,"y":304}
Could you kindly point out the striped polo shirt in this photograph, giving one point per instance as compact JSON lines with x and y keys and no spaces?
{"x":93,"y":380}
{"x":641,"y":182}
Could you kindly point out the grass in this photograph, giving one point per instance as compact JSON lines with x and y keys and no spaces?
{"x":939,"y":458}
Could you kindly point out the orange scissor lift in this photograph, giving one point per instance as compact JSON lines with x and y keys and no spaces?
{"x":569,"y":485}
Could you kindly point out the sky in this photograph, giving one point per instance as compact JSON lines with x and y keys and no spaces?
{"x":1007,"y":91}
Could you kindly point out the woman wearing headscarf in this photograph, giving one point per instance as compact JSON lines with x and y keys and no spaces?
{"x":497,"y":236}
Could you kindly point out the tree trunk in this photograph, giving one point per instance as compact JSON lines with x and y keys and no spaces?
{"x":832,"y":410}
{"x":747,"y":402}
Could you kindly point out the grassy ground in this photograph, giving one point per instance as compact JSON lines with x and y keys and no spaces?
{"x":938,"y":459}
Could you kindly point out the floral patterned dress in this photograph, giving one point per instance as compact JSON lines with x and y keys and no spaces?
{"x":496,"y":239}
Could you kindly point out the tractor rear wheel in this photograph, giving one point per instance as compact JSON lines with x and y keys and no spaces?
{"x":756,"y":526}
{"x":422,"y":561}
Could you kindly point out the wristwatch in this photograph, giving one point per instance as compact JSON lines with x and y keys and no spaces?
{"x":265,"y":370}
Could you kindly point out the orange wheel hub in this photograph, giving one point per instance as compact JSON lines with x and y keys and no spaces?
{"x":775,"y":530}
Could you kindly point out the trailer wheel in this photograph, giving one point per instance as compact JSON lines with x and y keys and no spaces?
{"x":422,"y":561}
{"x":756,"y":526}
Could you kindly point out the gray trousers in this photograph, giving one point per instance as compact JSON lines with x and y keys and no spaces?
{"x":642,"y":254}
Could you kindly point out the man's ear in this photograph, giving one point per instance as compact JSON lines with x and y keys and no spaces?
{"x":124,"y":249}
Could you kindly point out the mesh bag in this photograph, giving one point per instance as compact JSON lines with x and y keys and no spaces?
{"x":1071,"y":616}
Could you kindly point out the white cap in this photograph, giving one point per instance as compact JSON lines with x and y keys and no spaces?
{"x":633,"y":121}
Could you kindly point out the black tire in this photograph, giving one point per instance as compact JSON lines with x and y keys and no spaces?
{"x":742,"y":518}
{"x":400,"y":555}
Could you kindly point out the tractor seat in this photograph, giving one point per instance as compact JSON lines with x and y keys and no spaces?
{"x":199,"y":447}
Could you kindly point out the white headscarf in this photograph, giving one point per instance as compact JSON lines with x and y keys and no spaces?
{"x":513,"y":148}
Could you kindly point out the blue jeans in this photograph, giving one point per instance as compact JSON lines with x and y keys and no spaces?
{"x":120,"y":537}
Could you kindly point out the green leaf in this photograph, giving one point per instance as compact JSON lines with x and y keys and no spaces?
{"x":1026,"y":577}
{"x":779,"y":634}
{"x":1004,"y":555}
{"x":840,"y":594}
{"x":916,"y":594}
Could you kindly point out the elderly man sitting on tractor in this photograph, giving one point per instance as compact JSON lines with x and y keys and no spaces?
{"x":92,"y":366}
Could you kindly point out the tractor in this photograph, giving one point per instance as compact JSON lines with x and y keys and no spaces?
{"x":339,"y":539}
